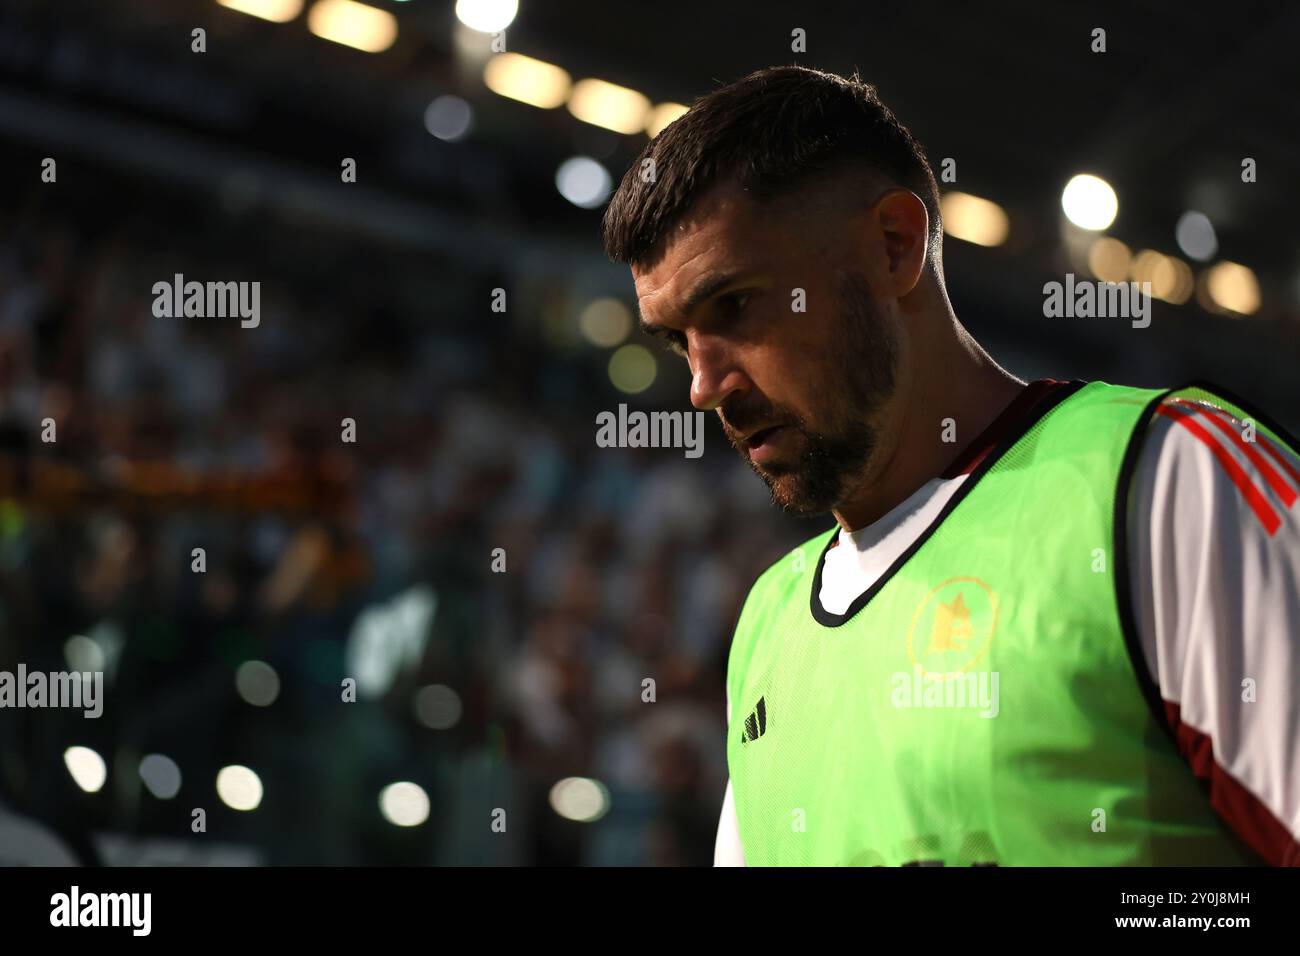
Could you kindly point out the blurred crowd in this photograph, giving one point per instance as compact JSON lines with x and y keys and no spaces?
{"x":375,"y":559}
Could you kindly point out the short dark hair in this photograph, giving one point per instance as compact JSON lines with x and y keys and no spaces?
{"x":772,"y":131}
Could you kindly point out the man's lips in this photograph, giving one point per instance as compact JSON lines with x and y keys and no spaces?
{"x":757,"y":438}
{"x":765,"y":444}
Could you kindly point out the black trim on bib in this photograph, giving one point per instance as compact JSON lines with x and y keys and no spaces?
{"x":1120,"y":563}
{"x":1037,"y":414}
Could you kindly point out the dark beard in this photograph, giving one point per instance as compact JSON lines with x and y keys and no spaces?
{"x":861,"y":362}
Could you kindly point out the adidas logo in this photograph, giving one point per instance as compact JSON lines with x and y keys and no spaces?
{"x":755,"y":723}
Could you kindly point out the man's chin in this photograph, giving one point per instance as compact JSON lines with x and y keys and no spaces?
{"x":790,"y":493}
{"x":813,"y":477}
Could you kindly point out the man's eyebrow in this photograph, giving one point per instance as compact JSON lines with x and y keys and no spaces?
{"x":704,"y":289}
{"x":657,"y":330}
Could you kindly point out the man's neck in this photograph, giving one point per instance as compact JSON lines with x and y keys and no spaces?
{"x":965,"y":386}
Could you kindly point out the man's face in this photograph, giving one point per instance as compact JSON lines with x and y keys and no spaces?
{"x":803,"y":396}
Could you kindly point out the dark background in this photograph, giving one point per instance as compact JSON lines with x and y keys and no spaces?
{"x":475,"y":428}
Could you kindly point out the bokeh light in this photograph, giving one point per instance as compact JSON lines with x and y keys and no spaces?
{"x":1196,"y":237}
{"x":632,"y":369}
{"x":487,"y":16}
{"x":161,"y":776}
{"x":1110,"y":260}
{"x":609,"y":106}
{"x":1089,"y":202}
{"x":580,"y":798}
{"x":437,"y":706}
{"x":404,"y":804}
{"x":239,"y":788}
{"x":1233,"y":287}
{"x":583,"y":181}
{"x":606,"y":322}
{"x":257,"y":683}
{"x":662,"y":116}
{"x":449,"y":118}
{"x":973,"y":219}
{"x":87,"y":768}
{"x":83,"y":654}
{"x":527,"y":80}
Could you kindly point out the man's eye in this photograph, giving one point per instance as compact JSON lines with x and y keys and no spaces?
{"x":734,"y":302}
{"x":676,"y":341}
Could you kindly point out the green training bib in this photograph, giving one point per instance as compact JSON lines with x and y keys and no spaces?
{"x":985,"y":702}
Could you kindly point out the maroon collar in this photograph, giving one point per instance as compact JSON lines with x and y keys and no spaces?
{"x":1006,"y":421}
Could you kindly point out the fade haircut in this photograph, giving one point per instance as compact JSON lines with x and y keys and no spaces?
{"x":773,"y":131}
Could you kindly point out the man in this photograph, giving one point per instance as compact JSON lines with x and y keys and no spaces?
{"x":1056,"y":622}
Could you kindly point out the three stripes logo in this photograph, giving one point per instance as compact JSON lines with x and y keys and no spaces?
{"x":1278,"y":474}
{"x":755,"y":723}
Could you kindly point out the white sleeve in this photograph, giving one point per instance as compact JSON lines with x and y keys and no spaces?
{"x":1214,"y":545}
{"x":727,"y":850}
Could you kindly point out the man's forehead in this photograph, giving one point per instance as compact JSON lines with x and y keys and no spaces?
{"x":700,"y":241}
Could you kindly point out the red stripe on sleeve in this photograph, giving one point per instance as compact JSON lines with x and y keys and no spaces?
{"x":1275,"y":481}
{"x":1277,"y":457}
{"x":1258,"y":503}
{"x":1240,"y":809}
{"x":1272,"y":452}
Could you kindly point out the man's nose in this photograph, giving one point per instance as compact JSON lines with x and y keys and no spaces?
{"x":715,"y":375}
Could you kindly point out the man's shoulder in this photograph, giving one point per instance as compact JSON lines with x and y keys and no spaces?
{"x":1211,"y":416}
{"x":1094,"y":407}
{"x":1204,"y":444}
{"x":1148,"y":415}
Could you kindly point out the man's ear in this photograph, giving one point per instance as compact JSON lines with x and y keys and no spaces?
{"x":904,"y":225}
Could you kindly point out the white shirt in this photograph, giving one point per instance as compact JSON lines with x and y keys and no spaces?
{"x":1214,"y":559}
